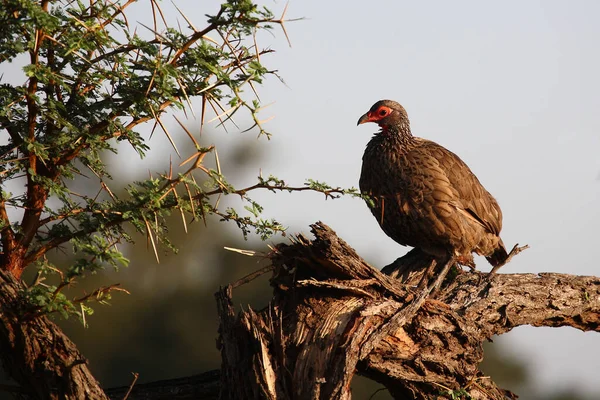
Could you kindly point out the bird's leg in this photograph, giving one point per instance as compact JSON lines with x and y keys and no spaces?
{"x":440,"y":276}
{"x":515,"y":250}
{"x":435,"y":286}
{"x":427,"y":274}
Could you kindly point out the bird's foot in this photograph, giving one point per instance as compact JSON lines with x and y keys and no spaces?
{"x":466,"y":260}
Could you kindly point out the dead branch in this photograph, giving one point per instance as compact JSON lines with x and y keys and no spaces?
{"x":203,"y":386}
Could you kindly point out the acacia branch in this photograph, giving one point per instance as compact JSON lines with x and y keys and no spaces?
{"x":197,"y":36}
{"x":117,"y":218}
{"x":36,"y":193}
{"x":329,"y":193}
{"x":120,"y":10}
{"x":126,"y":104}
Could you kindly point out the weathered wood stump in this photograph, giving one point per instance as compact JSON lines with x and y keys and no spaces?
{"x":334,"y":315}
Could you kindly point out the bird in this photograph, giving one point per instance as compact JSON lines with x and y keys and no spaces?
{"x":424,"y":196}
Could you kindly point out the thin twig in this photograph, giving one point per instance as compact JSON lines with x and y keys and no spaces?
{"x":135,"y":378}
{"x":252,"y":276}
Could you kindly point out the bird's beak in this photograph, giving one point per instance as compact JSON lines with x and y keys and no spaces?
{"x":364,"y":119}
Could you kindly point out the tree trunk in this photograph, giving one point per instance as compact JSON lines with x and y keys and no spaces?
{"x":38,"y":355}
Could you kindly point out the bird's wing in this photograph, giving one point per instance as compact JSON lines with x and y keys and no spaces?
{"x":468,"y":194}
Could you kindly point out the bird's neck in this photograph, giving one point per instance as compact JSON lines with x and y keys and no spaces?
{"x":398,"y":133}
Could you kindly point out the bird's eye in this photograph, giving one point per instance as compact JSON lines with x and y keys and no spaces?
{"x":383,"y":112}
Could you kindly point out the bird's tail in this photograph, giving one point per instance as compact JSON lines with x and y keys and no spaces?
{"x":499,"y":256}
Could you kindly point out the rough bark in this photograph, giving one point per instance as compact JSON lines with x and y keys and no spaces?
{"x":37,"y":354}
{"x":333,"y":315}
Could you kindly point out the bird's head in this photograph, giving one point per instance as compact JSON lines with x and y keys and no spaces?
{"x":387,"y":114}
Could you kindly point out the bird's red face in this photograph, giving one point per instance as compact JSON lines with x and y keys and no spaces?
{"x":389,"y":115}
{"x":376,"y":115}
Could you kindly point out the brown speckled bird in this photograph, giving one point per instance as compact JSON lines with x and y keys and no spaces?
{"x":425,"y":196}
